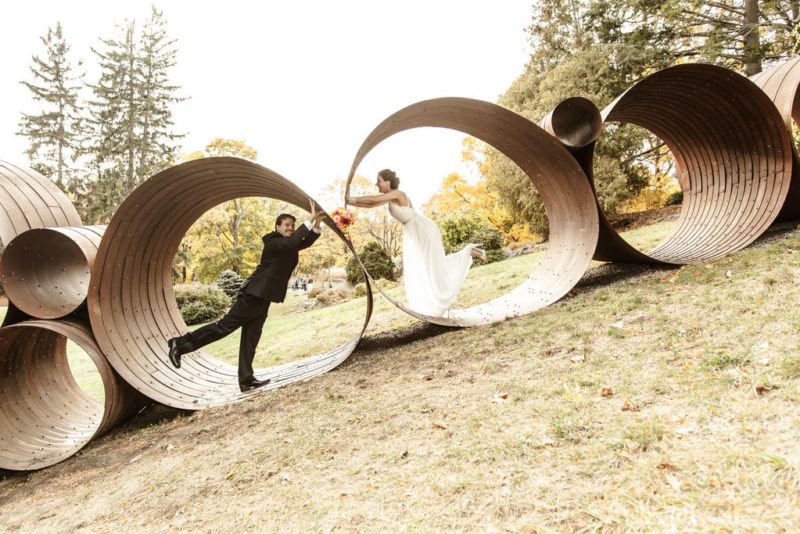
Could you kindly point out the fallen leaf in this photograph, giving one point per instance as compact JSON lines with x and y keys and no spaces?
{"x":618,"y":324}
{"x":628,"y":407}
{"x":667,"y":466}
{"x":765,"y":388}
{"x":606,"y":391}
{"x":684,"y":430}
{"x":577,"y":358}
{"x":170,"y":447}
{"x":426,"y":377}
{"x":499,"y":398}
{"x":135,"y":458}
{"x":404,"y":455}
{"x":439,"y":425}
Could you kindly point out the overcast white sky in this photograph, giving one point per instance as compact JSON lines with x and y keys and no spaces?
{"x":303,"y":82}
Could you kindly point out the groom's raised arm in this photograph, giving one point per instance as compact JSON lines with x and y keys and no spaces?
{"x":279,"y":244}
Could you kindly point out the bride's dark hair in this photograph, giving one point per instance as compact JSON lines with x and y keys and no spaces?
{"x":390,"y":176}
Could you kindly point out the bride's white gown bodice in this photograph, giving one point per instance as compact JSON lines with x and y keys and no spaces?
{"x":432,"y":279}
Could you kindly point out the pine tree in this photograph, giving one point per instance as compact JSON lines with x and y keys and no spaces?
{"x":54,"y":133}
{"x":131,"y":115}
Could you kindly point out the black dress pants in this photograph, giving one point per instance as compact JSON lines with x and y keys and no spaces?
{"x":248,"y":312}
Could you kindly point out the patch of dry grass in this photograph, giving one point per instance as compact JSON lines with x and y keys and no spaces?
{"x":666,"y":401}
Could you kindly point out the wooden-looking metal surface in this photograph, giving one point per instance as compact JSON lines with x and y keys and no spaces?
{"x":732,"y":154}
{"x":575,"y":121}
{"x":562,"y":185}
{"x":45,"y":417}
{"x":131,"y":304}
{"x":29,"y":200}
{"x":46,"y":271}
{"x":781,"y":84}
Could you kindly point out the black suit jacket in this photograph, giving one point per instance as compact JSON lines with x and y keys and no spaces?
{"x":279,"y":258}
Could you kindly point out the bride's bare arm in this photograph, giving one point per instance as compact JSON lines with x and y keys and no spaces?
{"x":372,"y":201}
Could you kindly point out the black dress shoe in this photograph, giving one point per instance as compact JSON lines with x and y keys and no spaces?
{"x":174,"y":352}
{"x":252,"y":383}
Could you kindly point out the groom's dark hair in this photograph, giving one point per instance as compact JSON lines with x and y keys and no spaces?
{"x":282,"y":217}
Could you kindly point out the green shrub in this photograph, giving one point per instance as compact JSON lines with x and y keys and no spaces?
{"x":459,"y":229}
{"x":229,"y":281}
{"x":360,"y":289}
{"x":199,"y":303}
{"x":376,"y":260}
{"x":675,"y":199}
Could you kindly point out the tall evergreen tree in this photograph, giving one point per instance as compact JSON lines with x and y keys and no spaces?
{"x":131,"y":113}
{"x":54,"y":133}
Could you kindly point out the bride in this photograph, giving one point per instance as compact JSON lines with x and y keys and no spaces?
{"x":432,"y":278}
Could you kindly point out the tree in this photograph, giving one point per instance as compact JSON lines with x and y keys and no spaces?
{"x":228,"y":236}
{"x":130,"y":114}
{"x":54,"y":133}
{"x":229,"y":281}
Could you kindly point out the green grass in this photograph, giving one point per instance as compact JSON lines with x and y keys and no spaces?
{"x":665,"y":401}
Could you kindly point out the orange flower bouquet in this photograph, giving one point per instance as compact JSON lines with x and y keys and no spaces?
{"x":343,"y":218}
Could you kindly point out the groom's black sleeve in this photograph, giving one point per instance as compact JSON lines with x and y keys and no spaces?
{"x":308,"y":240}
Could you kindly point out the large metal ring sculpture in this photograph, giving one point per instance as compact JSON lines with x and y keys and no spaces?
{"x":131,"y":304}
{"x":565,"y":193}
{"x":44,"y":415}
{"x":734,"y":158}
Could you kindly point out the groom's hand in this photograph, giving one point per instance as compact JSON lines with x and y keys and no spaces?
{"x":314,"y":212}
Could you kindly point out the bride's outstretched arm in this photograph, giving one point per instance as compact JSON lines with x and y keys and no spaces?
{"x":372,"y":201}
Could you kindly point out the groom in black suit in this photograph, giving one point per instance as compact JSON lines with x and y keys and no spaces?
{"x":267,"y":284}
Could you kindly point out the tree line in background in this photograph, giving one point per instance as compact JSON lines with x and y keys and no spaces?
{"x":598,"y":49}
{"x":98,"y":141}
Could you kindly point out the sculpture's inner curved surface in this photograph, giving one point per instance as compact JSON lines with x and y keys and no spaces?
{"x":132,"y":306}
{"x":563,"y":187}
{"x":46,"y":271}
{"x":732,"y":159}
{"x":45,"y":416}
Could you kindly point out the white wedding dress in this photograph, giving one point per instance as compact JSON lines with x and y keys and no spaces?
{"x":432,"y":279}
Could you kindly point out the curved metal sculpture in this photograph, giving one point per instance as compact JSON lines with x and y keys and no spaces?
{"x":734,"y":159}
{"x":45,"y":417}
{"x":732,"y":156}
{"x":781,"y":84}
{"x":46,"y":271}
{"x":564,"y":190}
{"x":131,"y":304}
{"x":29,"y":200}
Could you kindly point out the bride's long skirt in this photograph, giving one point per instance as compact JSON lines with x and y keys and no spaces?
{"x":432,"y":279}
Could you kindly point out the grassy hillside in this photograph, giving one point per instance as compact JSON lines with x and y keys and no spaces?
{"x":651,"y":400}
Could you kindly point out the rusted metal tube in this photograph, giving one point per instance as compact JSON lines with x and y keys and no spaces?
{"x":45,"y":417}
{"x":733,"y":159}
{"x":781,"y":84}
{"x":29,"y":200}
{"x":131,"y":304}
{"x":46,"y":271}
{"x":575,"y":121}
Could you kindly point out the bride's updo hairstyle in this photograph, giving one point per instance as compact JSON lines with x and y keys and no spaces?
{"x":390,"y":176}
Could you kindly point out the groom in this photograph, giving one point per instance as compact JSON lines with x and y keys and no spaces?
{"x":267,"y":284}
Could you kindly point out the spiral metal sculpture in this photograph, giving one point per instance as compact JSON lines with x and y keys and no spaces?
{"x":730,"y":138}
